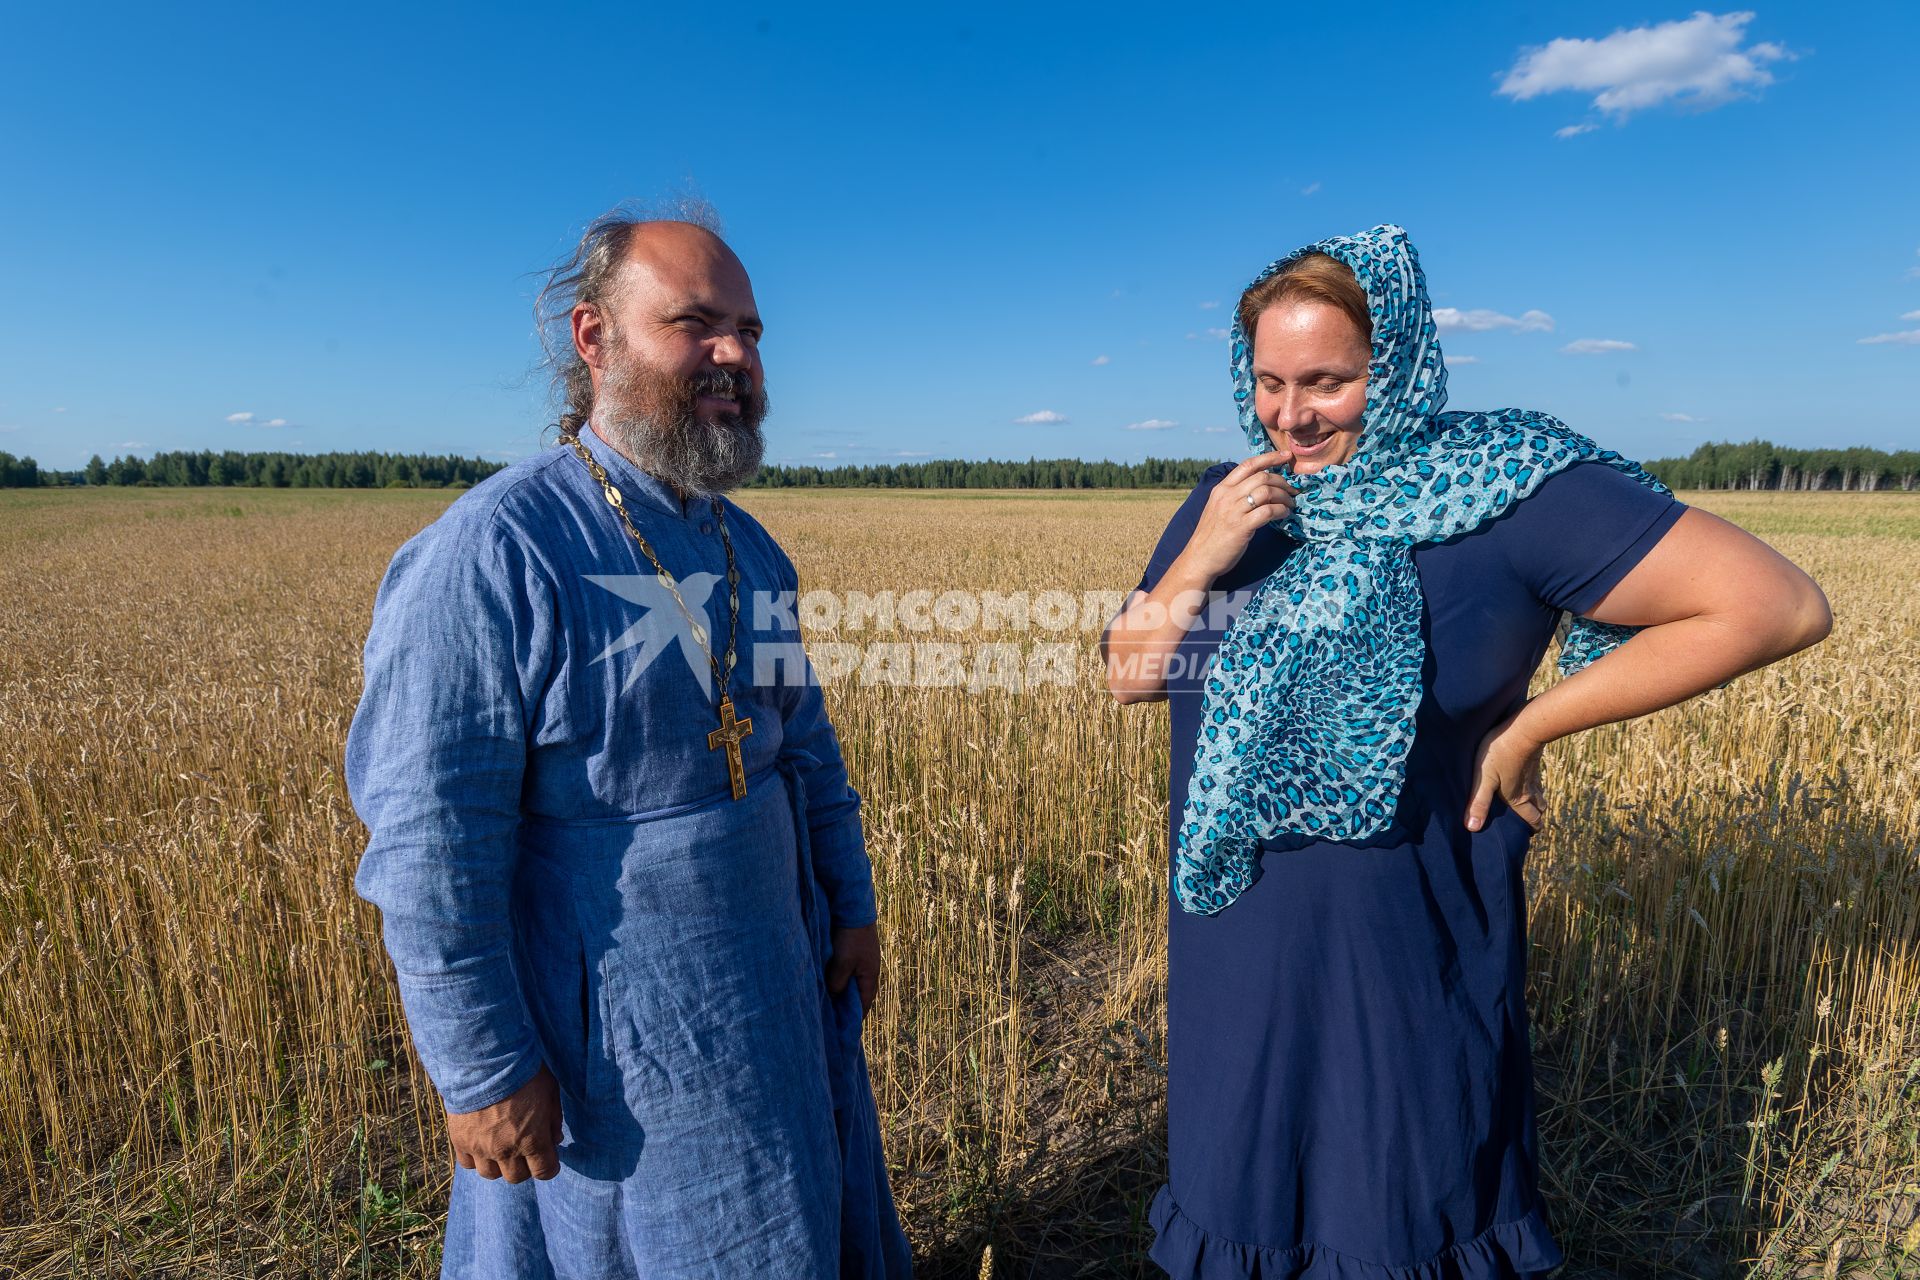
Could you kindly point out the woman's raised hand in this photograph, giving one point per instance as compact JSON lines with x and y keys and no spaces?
{"x":1247,"y":497}
{"x":1141,"y":640}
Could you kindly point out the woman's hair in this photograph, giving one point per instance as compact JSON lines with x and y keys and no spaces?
{"x":1312,"y":277}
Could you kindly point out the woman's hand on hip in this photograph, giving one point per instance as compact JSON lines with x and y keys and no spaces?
{"x":1246,"y":499}
{"x":1507,"y":765}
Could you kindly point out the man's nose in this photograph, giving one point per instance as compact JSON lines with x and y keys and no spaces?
{"x":730,"y":352}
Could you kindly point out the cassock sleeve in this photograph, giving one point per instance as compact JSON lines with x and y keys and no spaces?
{"x":833,"y":806}
{"x":457,"y":654}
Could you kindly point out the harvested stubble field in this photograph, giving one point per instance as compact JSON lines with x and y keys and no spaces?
{"x":203,"y":1070}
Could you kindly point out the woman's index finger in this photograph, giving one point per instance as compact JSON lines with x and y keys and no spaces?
{"x":1260,"y":462}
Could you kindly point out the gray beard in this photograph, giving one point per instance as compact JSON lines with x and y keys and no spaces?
{"x":671,"y":441}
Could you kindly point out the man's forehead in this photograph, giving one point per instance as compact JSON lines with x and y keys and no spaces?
{"x":688,"y":262}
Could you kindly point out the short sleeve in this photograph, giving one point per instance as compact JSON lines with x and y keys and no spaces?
{"x":1180,"y":528}
{"x":1584,"y":529}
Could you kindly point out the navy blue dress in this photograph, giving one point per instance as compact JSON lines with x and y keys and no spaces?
{"x":1350,"y":1091}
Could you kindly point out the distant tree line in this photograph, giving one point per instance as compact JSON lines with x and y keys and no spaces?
{"x":1759,"y":464}
{"x":262,"y":471}
{"x":19,"y":473}
{"x":385,"y":470}
{"x":955,"y":473}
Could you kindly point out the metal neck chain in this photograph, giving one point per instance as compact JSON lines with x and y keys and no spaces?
{"x":722,"y":676}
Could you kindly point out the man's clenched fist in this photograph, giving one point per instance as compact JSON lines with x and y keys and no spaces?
{"x":515,"y":1137}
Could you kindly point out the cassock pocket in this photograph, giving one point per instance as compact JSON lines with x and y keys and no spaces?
{"x":847,"y":1010}
{"x":592,"y":1041}
{"x":586,"y":1021}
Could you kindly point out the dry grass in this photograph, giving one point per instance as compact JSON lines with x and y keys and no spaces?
{"x":203,"y":1070}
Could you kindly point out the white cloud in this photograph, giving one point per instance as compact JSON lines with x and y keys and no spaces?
{"x":1219,"y":335}
{"x":1209,"y":306}
{"x":1681,"y":417}
{"x":1309,"y":189}
{"x":1574,"y":130}
{"x":129,"y":444}
{"x":1044,"y":418}
{"x":1101,"y":359}
{"x":1212,"y":431}
{"x":1152,"y":424}
{"x":828,"y":455}
{"x":1596,"y":346}
{"x":1911,"y":315}
{"x":1697,"y":62}
{"x":1906,"y":338}
{"x":274,"y":422}
{"x":906,"y":453}
{"x":1479,"y":321}
{"x":61,"y":409}
{"x":239,"y":417}
{"x":1453,"y":360}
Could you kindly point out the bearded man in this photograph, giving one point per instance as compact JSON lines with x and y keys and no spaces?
{"x":619,"y":864}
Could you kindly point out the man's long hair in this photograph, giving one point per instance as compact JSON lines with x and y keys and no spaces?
{"x":592,"y":274}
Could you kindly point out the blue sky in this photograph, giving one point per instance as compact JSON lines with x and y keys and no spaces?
{"x":332,"y":218}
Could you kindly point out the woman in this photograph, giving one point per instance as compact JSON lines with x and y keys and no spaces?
{"x":1356,"y":772}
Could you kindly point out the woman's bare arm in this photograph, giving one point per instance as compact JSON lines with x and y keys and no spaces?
{"x":1145,"y":634}
{"x":1715,"y":601}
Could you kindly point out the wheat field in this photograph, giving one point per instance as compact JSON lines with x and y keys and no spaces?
{"x":204,"y":1071}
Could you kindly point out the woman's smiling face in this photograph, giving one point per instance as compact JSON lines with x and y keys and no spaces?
{"x":1310,"y":382}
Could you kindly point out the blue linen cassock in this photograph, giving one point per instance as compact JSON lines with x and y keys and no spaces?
{"x":564,"y":878}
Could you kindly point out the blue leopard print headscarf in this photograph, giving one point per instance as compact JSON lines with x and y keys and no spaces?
{"x":1308,"y":710}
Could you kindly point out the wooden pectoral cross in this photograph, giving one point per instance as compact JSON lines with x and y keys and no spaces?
{"x":728,"y":735}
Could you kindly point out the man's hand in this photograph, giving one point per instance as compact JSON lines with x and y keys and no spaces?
{"x":515,"y":1137}
{"x":856,"y":955}
{"x":1509,"y":764}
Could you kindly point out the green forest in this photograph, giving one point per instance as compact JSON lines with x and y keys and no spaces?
{"x":384,"y":470}
{"x":1757,"y":464}
{"x":262,"y":471}
{"x":953,"y":473}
